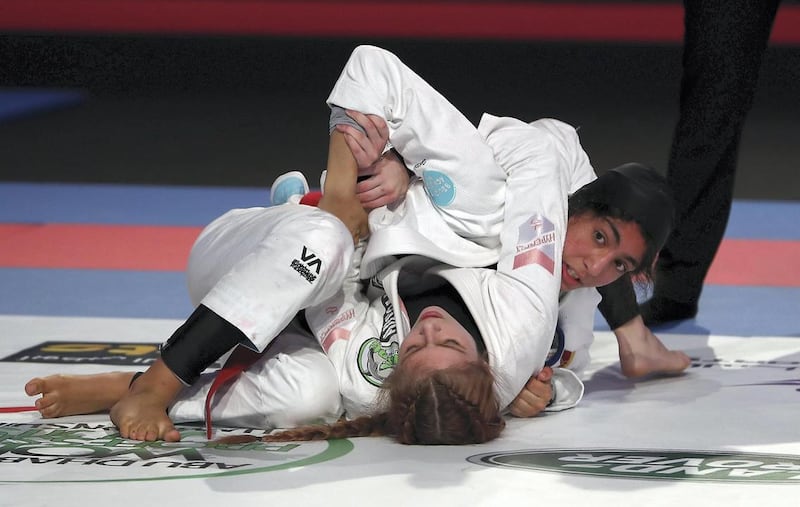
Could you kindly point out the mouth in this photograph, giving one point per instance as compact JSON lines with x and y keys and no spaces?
{"x":570,"y":276}
{"x":429,"y":314}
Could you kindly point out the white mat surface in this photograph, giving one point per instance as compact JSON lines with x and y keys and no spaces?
{"x":725,"y":433}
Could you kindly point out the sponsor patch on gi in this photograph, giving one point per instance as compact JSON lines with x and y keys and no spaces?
{"x":440,"y":187}
{"x":376,"y":360}
{"x":308,"y":265}
{"x":536,"y":243}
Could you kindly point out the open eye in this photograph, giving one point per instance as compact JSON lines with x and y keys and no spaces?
{"x":621,"y":267}
{"x":599,"y":237}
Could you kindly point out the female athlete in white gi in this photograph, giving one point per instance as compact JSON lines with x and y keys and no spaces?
{"x":469,"y":174}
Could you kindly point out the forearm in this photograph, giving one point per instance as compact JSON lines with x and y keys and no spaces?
{"x":342,"y":171}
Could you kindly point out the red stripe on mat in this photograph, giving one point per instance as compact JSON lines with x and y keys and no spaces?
{"x":68,"y":246}
{"x":620,"y":21}
{"x":8,"y":410}
{"x":756,"y":262}
{"x":151,"y":248}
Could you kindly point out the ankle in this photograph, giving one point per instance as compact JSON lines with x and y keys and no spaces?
{"x":660,"y":310}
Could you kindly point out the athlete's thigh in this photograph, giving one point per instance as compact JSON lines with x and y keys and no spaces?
{"x":294,"y":383}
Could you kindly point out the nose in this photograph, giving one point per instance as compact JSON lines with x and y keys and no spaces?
{"x":430,"y":329}
{"x":597,"y":264}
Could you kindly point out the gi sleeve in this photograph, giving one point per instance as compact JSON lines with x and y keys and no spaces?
{"x":436,"y":141}
{"x":567,"y":390}
{"x":516,"y":305}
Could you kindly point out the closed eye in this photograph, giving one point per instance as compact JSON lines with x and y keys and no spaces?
{"x":453,"y":344}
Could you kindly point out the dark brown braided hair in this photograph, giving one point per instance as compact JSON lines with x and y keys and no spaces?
{"x":452,"y":406}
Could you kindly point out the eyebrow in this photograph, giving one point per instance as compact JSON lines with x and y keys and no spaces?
{"x":633,"y":262}
{"x":613,"y":229}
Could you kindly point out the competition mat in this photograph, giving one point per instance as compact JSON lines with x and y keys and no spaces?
{"x":91,"y":280}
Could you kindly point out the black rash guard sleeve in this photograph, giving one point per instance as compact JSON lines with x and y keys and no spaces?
{"x":201,"y":340}
{"x":618,"y":305}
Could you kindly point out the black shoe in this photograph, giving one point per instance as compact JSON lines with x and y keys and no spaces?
{"x":662,"y":310}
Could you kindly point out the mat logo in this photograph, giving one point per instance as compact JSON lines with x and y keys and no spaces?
{"x":77,"y":352}
{"x":713,"y":466}
{"x":85,"y":452}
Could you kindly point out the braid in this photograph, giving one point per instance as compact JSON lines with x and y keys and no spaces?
{"x":453,"y":406}
{"x":366,"y":426}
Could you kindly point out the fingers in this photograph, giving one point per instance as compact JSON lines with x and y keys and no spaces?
{"x":375,"y":127}
{"x":381,"y":130}
{"x":372,"y":194}
{"x":535,"y":397}
{"x":366,"y":146}
{"x":359,"y":147}
{"x":545,"y":375}
{"x":527,"y":404}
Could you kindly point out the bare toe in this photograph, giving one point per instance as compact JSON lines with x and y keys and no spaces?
{"x":34,"y":387}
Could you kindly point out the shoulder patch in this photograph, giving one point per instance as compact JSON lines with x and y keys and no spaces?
{"x":536,"y":243}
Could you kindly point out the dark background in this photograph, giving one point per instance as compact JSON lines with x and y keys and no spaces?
{"x":235,"y":110}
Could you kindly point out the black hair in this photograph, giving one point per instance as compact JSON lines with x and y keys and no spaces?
{"x":632,"y":193}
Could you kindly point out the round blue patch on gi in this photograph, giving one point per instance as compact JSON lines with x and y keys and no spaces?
{"x":440,"y":187}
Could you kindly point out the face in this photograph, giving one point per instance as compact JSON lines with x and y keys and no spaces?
{"x":598,"y":250}
{"x":437,"y":341}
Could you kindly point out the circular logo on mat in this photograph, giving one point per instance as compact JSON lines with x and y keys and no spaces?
{"x":714,"y":466}
{"x":73,"y":452}
{"x":440,"y":187}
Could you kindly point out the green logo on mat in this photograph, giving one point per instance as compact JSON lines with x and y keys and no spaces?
{"x":714,"y":466}
{"x":72,"y":452}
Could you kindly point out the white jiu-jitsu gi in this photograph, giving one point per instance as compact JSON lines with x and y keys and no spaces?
{"x":495,"y":194}
{"x":492,"y":194}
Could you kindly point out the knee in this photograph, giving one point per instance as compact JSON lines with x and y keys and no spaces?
{"x":300,"y":387}
{"x":320,"y":231}
{"x":313,"y":404}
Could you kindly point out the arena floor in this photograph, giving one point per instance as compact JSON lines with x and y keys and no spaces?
{"x":116,"y":151}
{"x":92,"y":281}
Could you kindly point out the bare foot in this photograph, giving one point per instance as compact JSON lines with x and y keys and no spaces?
{"x":642,"y":353}
{"x":141,"y":414}
{"x":63,"y":395}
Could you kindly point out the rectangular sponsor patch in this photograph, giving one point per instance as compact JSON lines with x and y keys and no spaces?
{"x":536,"y":243}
